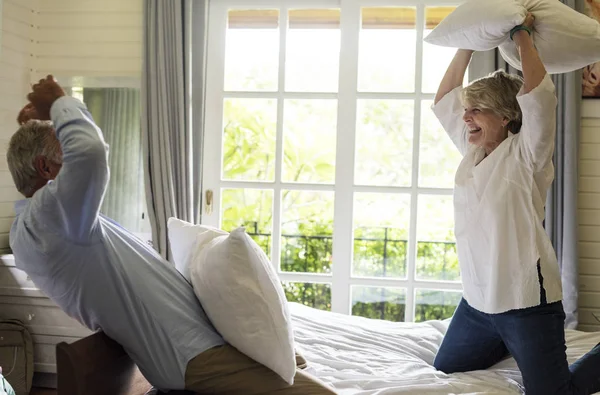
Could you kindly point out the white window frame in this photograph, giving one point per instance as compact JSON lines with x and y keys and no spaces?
{"x":341,"y":278}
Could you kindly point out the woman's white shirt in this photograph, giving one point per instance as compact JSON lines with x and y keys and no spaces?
{"x":505,"y":256}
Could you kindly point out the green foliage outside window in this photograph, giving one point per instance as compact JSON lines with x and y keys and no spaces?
{"x":307,"y":220}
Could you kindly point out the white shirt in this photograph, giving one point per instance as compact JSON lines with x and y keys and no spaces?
{"x":503,"y":248}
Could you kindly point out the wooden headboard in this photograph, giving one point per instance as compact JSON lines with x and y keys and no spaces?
{"x":97,"y":365}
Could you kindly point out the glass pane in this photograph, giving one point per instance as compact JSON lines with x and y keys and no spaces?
{"x":381,"y":223}
{"x":438,"y":158}
{"x":436,"y":248}
{"x":387,"y":48}
{"x":435,"y":58}
{"x":252,"y":208}
{"x":249,"y":133}
{"x":380,"y":303}
{"x":314,"y":295}
{"x":384,"y":135}
{"x":312,"y":51}
{"x":435,"y":305}
{"x":306,"y":231}
{"x":309,"y":140}
{"x":252,"y":50}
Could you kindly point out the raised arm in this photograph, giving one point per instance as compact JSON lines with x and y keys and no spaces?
{"x":537,"y":99}
{"x":455,"y":74}
{"x":79,"y":187}
{"x":533,"y":68}
{"x":447,"y":105}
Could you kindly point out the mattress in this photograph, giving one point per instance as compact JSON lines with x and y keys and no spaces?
{"x":355,"y":355}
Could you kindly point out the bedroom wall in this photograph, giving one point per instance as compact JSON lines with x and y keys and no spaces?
{"x":16,"y":58}
{"x":89,"y":38}
{"x":67,"y":38}
{"x":589,"y":217}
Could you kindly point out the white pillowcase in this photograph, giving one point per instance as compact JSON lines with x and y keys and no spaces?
{"x":479,"y":25}
{"x":244,"y":299}
{"x":182,"y":239}
{"x":566,"y":40}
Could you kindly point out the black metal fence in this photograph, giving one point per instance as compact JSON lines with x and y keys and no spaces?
{"x":378,"y":252}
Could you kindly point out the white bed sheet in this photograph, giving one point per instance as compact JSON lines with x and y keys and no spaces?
{"x":361,"y":356}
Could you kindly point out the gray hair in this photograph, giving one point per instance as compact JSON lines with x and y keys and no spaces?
{"x":33,"y":139}
{"x":497,"y":92}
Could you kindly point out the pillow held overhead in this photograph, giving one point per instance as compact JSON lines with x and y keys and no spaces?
{"x":566,"y":40}
{"x":479,"y":25}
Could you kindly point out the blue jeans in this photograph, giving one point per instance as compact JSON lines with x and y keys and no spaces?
{"x":535,"y":337}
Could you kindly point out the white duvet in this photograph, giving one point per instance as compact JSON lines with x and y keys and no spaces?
{"x":355,"y":355}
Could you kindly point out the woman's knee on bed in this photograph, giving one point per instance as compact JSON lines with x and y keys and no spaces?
{"x":449,"y":363}
{"x":469,"y":359}
{"x":470,"y":343}
{"x":443,"y":364}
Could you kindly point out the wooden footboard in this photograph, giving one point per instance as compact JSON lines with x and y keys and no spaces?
{"x":97,"y":365}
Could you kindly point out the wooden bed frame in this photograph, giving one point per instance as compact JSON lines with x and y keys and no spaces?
{"x":97,"y":365}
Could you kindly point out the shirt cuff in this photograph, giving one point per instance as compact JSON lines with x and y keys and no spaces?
{"x":63,"y":104}
{"x":64,"y":110}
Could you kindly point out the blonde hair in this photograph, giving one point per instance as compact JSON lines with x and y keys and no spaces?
{"x":497,"y":92}
{"x":33,"y":139}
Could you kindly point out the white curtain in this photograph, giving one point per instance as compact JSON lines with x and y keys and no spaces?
{"x":172,"y":132}
{"x":117,"y":113}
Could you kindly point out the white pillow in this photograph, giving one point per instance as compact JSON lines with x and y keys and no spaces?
{"x":244,"y":299}
{"x":182,"y":237}
{"x":479,"y":25}
{"x":566,"y":40}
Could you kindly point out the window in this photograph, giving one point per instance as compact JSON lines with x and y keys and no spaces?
{"x":321,"y":142}
{"x":117,"y":112}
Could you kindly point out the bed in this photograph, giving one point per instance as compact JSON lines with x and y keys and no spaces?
{"x":354,"y":355}
{"x":361,"y":356}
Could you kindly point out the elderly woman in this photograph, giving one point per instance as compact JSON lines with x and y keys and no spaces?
{"x":504,"y":127}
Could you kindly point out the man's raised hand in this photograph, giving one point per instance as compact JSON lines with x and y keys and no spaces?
{"x":43,"y":95}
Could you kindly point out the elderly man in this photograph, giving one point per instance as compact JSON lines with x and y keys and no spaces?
{"x":103,"y":276}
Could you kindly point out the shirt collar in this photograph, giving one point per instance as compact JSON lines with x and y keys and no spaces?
{"x":21,"y":204}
